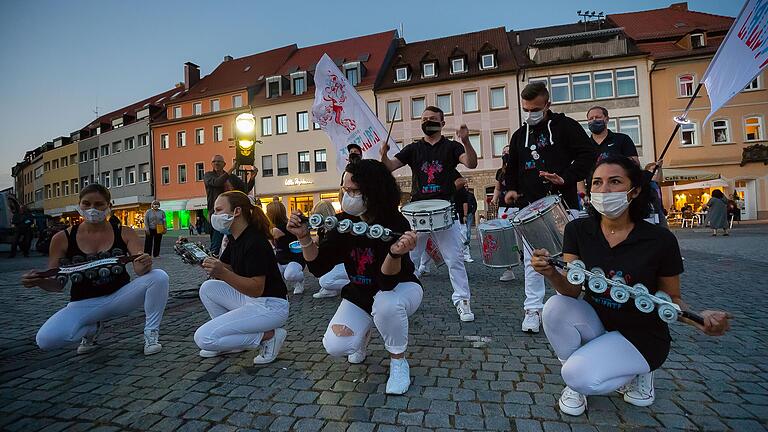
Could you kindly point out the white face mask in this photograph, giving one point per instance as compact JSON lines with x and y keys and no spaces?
{"x":94,"y":215}
{"x":532,"y":118}
{"x":353,"y":205}
{"x":610,"y":204}
{"x":222,"y":222}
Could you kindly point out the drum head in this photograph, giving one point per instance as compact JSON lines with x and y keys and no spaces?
{"x":536,"y":208}
{"x":426,"y":205}
{"x":494,"y":224}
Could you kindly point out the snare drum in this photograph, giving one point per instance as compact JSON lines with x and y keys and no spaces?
{"x":429,"y":215}
{"x":542,"y":224}
{"x":500,"y":243}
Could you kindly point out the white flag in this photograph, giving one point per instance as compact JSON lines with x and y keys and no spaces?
{"x":741,"y":56}
{"x":344,"y":115}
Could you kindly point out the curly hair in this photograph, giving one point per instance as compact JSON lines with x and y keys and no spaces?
{"x":277,"y":213}
{"x":381,"y":193}
{"x":640,"y":205}
{"x":253,"y":213}
{"x":325,"y":208}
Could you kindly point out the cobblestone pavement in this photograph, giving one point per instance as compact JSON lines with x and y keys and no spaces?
{"x":484,"y":375}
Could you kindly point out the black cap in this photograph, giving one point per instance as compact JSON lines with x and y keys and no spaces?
{"x":355,"y":146}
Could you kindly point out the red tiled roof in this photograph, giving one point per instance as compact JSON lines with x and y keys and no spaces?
{"x":159,"y":100}
{"x":443,"y":49}
{"x":673,"y":21}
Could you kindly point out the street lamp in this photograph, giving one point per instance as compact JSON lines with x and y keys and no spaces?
{"x":245,"y":138}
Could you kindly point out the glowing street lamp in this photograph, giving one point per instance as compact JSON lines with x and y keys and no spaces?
{"x":245,"y":138}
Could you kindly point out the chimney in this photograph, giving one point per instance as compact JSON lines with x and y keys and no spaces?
{"x":191,"y":74}
{"x":683,"y":6}
{"x":227,"y":58}
{"x":517,"y":38}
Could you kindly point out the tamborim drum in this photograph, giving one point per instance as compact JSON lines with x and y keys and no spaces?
{"x":433,"y":252}
{"x":542,"y":224}
{"x":429,"y":215}
{"x":499,"y":243}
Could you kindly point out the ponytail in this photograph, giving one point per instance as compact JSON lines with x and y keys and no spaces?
{"x":252,"y":213}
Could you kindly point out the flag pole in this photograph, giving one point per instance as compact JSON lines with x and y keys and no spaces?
{"x":679,"y":120}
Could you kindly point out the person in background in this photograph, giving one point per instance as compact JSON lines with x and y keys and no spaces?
{"x":717,"y":209}
{"x":355,"y":153}
{"x":22,"y":222}
{"x":291,"y":264}
{"x":199,"y":225}
{"x":505,"y":210}
{"x":218,"y":181}
{"x":332,"y":282}
{"x":154,"y":218}
{"x":461,"y":204}
{"x":607,"y":141}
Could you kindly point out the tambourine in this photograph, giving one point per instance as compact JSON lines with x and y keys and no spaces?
{"x":90,"y":267}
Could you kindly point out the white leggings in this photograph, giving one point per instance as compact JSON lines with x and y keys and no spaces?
{"x":450,"y":242}
{"x":79,"y":318}
{"x":594,"y":361}
{"x":292,"y":272}
{"x":390,"y":313}
{"x":237,"y":320}
{"x":335,"y":279}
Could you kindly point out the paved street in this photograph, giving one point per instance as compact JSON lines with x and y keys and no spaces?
{"x":484,"y":375}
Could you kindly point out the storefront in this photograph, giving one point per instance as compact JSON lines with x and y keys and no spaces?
{"x":696,"y":195}
{"x":131,"y":216}
{"x":303,"y":202}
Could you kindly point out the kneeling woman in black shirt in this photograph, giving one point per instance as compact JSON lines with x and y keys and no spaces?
{"x":247,"y":297}
{"x":383,"y":289}
{"x":604,"y":345}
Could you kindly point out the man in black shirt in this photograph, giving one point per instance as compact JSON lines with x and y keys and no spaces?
{"x":461,"y":205}
{"x":218,"y":181}
{"x":607,"y":141}
{"x":433,"y":160}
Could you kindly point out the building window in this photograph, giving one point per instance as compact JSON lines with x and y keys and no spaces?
{"x":282,"y":124}
{"x":457,"y":65}
{"x":106,"y":179}
{"x":282,"y":164}
{"x":143,"y":140}
{"x":754,"y":85}
{"x":487,"y":61}
{"x":75,"y":186}
{"x":94,"y":154}
{"x":303,"y":162}
{"x":476,"y":143}
{"x":721,"y":131}
{"x":688,"y":135}
{"x":470,"y":101}
{"x":498,"y":98}
{"x":394,"y":113}
{"x":631,"y":126}
{"x":177,"y":112}
{"x":401,"y":74}
{"x":299,"y":85}
{"x":215,"y":105}
{"x":218,"y":133}
{"x":130,"y":175}
{"x":105,"y":150}
{"x":118,"y":177}
{"x":181,"y":138}
{"x":64,"y":162}
{"x":266,"y":166}
{"x":199,"y":136}
{"x":237,"y":101}
{"x":197,"y":108}
{"x":83,"y":156}
{"x":582,"y":87}
{"x":165,"y":174}
{"x":626,"y":82}
{"x":72,"y":159}
{"x":182,"y":171}
{"x":500,"y":140}
{"x":428,"y":70}
{"x":55,"y":164}
{"x":417,"y":107}
{"x":273,"y":87}
{"x":302,"y":121}
{"x":697,"y":40}
{"x":353,"y":74}
{"x":685,"y":85}
{"x":164,"y":141}
{"x":266,"y":126}
{"x":144,"y":172}
{"x":603,"y":84}
{"x":130,"y":143}
{"x":321,"y":160}
{"x":199,"y":171}
{"x":117,"y":147}
{"x":753,"y":128}
{"x":560,"y":89}
{"x":56,"y":190}
{"x":65,"y":185}
{"x":47,"y":191}
{"x":445,"y":103}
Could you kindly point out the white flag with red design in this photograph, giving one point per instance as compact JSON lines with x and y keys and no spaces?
{"x":344,"y":115}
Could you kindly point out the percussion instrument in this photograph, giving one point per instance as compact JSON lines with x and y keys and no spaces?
{"x":295,"y":246}
{"x":542,"y":224}
{"x":429,"y":215}
{"x":434,"y":252}
{"x":90,"y":267}
{"x":499,"y":243}
{"x":190,"y":252}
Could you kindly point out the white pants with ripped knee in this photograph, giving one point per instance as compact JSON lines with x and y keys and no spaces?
{"x":594,"y":361}
{"x":237,"y":321}
{"x":292,"y":272}
{"x":335,"y":279}
{"x":79,"y":318}
{"x":450,"y":242}
{"x":390,"y":313}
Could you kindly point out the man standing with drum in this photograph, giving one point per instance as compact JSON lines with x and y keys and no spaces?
{"x":433,"y":160}
{"x":549,"y":154}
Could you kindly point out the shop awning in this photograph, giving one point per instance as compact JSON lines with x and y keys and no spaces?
{"x":197,"y":204}
{"x":174,"y":205}
{"x":680,"y":175}
{"x":702,"y":185}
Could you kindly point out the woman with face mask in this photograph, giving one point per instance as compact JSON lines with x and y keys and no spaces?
{"x":291,"y":264}
{"x":154,"y":223}
{"x":104,"y":297}
{"x":606,"y":346}
{"x":246,"y":296}
{"x":383,"y":290}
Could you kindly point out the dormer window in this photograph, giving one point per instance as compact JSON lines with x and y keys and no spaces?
{"x":428,"y":70}
{"x":401,"y":74}
{"x":116,"y":123}
{"x":488,"y":61}
{"x":697,"y":40}
{"x":177,"y":112}
{"x":298,"y":83}
{"x":352,"y":72}
{"x":458,"y":65}
{"x":274,"y":87}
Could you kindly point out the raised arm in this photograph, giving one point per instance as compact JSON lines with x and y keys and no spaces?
{"x":469,"y":157}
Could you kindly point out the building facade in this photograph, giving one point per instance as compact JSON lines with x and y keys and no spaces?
{"x":60,"y":179}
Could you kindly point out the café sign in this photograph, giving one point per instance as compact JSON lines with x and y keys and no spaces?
{"x":296,"y":181}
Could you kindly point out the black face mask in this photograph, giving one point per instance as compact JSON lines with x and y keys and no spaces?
{"x":596,"y":126}
{"x":354,"y":157}
{"x":430,"y":127}
{"x":506,"y":158}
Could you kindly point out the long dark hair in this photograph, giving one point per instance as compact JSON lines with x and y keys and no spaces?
{"x":639,"y":207}
{"x":381,"y":193}
{"x":252,"y":213}
{"x":277,"y":213}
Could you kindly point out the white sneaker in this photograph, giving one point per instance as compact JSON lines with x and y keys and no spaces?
{"x":572,"y":402}
{"x":468,"y":259}
{"x":359,"y":356}
{"x":324,"y":293}
{"x":508,"y":275}
{"x":151,"y":342}
{"x":399,"y":376}
{"x":465,"y":312}
{"x":211,"y":354}
{"x":88,"y":343}
{"x":298,"y":287}
{"x":640,"y":391}
{"x":271,"y":348}
{"x":532,"y":321}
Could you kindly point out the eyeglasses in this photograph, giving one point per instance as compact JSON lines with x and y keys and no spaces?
{"x":351,"y":192}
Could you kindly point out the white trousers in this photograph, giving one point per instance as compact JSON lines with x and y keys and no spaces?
{"x":390,"y":313}
{"x":465,"y":245}
{"x":594,"y":361}
{"x":292,"y":272}
{"x":335,"y":279}
{"x":79,"y":318}
{"x":237,"y":320}
{"x":450,"y":242}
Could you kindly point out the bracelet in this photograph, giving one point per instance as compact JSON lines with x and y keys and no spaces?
{"x":395,"y":256}
{"x":308,"y":244}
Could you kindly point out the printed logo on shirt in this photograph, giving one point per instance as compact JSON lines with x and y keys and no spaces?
{"x":605,"y":299}
{"x":363,"y":258}
{"x":530,"y":165}
{"x":431,"y":169}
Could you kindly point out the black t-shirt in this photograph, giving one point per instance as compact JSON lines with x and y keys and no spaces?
{"x":100,"y":286}
{"x":362,"y":258}
{"x":251,"y":255}
{"x":282,"y":249}
{"x":459,"y":199}
{"x":615,"y":144}
{"x":433,"y":168}
{"x":649,"y":252}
